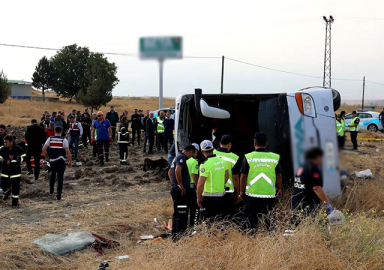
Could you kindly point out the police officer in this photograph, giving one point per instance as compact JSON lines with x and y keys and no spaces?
{"x":354,"y":128}
{"x":58,"y":149}
{"x":123,"y":140}
{"x":193,"y":169}
{"x":340,"y":131}
{"x":232,"y":186}
{"x":210,"y":187}
{"x":180,"y":185}
{"x":308,"y":191}
{"x":11,"y":156}
{"x":75,"y":131}
{"x":3,"y":133}
{"x":160,"y":129}
{"x":260,"y":182}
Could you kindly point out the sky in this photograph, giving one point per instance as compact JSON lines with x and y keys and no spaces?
{"x":279,"y":34}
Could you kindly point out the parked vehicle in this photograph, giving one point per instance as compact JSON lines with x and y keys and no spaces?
{"x":369,"y":120}
{"x":171,"y":109}
{"x":293,"y":122}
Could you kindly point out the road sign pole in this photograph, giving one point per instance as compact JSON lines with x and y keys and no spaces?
{"x":161,"y":62}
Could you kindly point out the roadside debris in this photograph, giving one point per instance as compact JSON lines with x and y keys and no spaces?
{"x":336,"y":217}
{"x":363,"y":174}
{"x":103,"y":265}
{"x":123,"y":258}
{"x":167,"y":228}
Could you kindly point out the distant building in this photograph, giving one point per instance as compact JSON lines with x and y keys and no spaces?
{"x":20,"y":89}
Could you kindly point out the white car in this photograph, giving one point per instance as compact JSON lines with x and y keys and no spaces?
{"x":369,"y":120}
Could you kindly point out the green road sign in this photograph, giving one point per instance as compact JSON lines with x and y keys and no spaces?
{"x":161,"y":48}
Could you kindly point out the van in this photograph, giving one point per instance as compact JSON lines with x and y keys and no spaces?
{"x":293,"y":123}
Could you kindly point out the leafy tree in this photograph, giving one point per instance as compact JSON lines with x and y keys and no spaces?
{"x":70,"y":67}
{"x":101,"y":77}
{"x":5,"y":88}
{"x":43,"y":77}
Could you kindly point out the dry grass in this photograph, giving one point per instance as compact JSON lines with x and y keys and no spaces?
{"x":20,"y":112}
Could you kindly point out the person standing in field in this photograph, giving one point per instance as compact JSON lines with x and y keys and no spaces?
{"x":86,"y":123}
{"x":136,"y":127}
{"x":113,"y":117}
{"x":3,"y":133}
{"x":11,"y":156}
{"x":58,"y":149}
{"x":169,"y":125}
{"x":150,"y":133}
{"x":75,"y":131}
{"x":104,"y":137}
{"x":35,"y":137}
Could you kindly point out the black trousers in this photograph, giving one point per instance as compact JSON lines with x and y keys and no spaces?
{"x":123,"y":149}
{"x":354,"y":139}
{"x":193,"y":208}
{"x":212,"y":208}
{"x":11,"y":185}
{"x":86,"y":136}
{"x":255,"y":208}
{"x":180,"y":213}
{"x":136,"y":131}
{"x":341,"y":141}
{"x":168,"y":139}
{"x":94,"y":150}
{"x":230,"y":209}
{"x":113,"y":131}
{"x":36,"y":154}
{"x":145,"y":142}
{"x":160,"y":141}
{"x":100,"y":145}
{"x":57,"y":168}
{"x":151,"y":141}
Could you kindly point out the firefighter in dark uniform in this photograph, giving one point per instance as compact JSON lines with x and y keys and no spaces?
{"x":11,"y":156}
{"x":123,"y":140}
{"x":58,"y":149}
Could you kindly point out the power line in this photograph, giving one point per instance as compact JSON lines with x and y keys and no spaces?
{"x":374,"y":82}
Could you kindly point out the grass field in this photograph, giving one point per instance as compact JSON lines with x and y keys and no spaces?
{"x":122,"y":206}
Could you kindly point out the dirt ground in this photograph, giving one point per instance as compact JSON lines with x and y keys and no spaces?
{"x":120,"y":202}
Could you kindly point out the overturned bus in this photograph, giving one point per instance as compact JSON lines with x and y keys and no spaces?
{"x":293,"y":122}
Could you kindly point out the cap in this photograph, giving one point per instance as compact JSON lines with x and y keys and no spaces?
{"x":206,"y":145}
{"x":226,"y":139}
{"x":196,"y":146}
{"x":71,"y":116}
{"x":260,"y":136}
{"x":140,"y":110}
{"x":354,"y":112}
{"x":339,"y":116}
{"x":100,"y":113}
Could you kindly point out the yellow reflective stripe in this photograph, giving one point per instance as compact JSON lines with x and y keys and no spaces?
{"x":15,"y":176}
{"x":4,"y":175}
{"x":13,"y":161}
{"x":1,"y":158}
{"x":23,"y":155}
{"x":15,"y":196}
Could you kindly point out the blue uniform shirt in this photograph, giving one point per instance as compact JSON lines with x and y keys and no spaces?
{"x":102,"y":129}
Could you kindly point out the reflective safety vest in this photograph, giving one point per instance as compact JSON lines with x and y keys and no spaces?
{"x":231,"y":160}
{"x":213,"y":168}
{"x":74,"y":130}
{"x":193,"y":168}
{"x":339,"y":128}
{"x":343,"y":124}
{"x":123,"y":137}
{"x":261,"y":178}
{"x":160,"y":125}
{"x":353,"y":122}
{"x":56,"y":148}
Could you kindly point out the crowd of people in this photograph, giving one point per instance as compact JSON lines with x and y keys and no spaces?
{"x":56,"y":137}
{"x":221,"y":186}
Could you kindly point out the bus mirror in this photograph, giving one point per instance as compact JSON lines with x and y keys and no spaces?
{"x":213,"y":112}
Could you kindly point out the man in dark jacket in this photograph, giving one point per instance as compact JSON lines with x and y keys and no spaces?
{"x":150,"y":133}
{"x":3,"y":133}
{"x":35,"y":137}
{"x":11,"y":156}
{"x":113,"y":118}
{"x":136,"y":127}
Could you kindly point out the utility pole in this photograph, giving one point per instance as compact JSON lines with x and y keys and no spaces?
{"x":327,"y":53}
{"x":222,"y":73}
{"x":362,"y":105}
{"x":161,"y":66}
